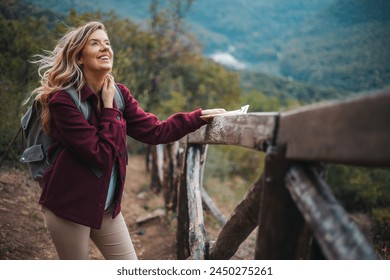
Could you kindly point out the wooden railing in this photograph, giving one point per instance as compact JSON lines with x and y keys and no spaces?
{"x":297,"y":215}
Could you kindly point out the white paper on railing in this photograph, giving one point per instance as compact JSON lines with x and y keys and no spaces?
{"x":242,"y":110}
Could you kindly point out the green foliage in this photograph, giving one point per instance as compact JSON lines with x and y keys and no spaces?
{"x":260,"y":103}
{"x":206,"y":84}
{"x":20,"y":38}
{"x":229,"y":172}
{"x":324,"y":60}
{"x":365,"y":190}
{"x":381,"y":230}
{"x":165,"y":74}
{"x":289,"y":93}
{"x":360,"y":189}
{"x":227,"y":162}
{"x":340,"y":44}
{"x":381,"y":215}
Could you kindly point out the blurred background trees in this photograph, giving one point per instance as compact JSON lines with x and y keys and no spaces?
{"x":166,"y":70}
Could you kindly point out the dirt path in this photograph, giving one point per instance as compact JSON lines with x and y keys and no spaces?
{"x":24,"y":236}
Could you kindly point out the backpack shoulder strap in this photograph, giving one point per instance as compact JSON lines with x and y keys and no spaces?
{"x":83,"y":106}
{"x":119,"y":100}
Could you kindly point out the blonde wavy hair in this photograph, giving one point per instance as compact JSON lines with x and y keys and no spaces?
{"x":59,"y":69}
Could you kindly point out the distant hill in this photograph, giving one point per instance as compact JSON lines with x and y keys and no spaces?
{"x":249,"y":29}
{"x":347,"y":46}
{"x":341,"y":44}
{"x":284,"y":89}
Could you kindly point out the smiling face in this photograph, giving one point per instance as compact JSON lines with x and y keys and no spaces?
{"x":97,"y":55}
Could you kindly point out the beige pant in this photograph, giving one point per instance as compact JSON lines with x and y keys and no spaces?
{"x":72,"y":240}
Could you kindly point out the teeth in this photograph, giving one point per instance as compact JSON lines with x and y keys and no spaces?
{"x":104,"y":57}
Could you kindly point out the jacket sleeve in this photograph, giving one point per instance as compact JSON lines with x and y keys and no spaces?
{"x":147,"y":128}
{"x":97,"y":146}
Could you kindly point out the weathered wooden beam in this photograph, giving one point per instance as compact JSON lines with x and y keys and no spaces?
{"x":252,"y":130}
{"x":172,"y":168}
{"x":196,"y":229}
{"x":355,"y":131}
{"x":156,"y":214}
{"x":206,"y":199}
{"x":239,"y":226}
{"x":282,"y":232}
{"x":182,"y":240}
{"x":209,"y":203}
{"x":155,"y":182}
{"x":160,"y":162}
{"x":337,"y":235}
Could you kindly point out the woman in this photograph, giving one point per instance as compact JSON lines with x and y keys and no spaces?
{"x":77,"y":204}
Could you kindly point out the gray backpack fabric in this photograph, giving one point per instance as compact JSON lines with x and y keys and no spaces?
{"x":38,"y":143}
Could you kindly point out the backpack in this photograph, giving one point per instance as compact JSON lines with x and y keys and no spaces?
{"x":38,"y":142}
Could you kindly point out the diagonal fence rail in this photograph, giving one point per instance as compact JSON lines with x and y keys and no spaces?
{"x":295,"y":211}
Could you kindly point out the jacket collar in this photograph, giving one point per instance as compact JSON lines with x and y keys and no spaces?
{"x":86,"y":92}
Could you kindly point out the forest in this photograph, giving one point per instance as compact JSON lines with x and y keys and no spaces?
{"x":337,"y":44}
{"x":166,"y":70}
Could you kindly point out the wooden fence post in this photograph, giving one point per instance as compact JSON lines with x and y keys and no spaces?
{"x":183,"y":247}
{"x":172,"y":168}
{"x":336,"y":233}
{"x":282,"y":233}
{"x":242,"y":222}
{"x":196,"y":233}
{"x":156,"y":182}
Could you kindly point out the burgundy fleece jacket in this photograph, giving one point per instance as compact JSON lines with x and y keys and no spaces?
{"x":69,"y":188}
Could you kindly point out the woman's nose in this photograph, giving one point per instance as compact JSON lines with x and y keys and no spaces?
{"x":104,"y":47}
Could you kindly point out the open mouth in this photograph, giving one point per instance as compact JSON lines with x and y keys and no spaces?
{"x":104,"y":58}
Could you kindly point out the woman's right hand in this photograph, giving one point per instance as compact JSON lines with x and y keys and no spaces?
{"x":108,"y":92}
{"x":208,"y":114}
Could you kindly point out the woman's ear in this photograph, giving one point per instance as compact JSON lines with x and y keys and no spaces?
{"x":79,"y":59}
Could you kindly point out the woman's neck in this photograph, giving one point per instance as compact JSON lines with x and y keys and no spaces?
{"x":95,"y":86}
{"x":95,"y":82}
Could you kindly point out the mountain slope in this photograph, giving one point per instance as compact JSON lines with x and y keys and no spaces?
{"x":345,"y":47}
{"x":342,"y":44}
{"x":248,"y":26}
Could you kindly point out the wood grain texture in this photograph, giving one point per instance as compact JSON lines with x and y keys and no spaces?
{"x":354,"y":131}
{"x":250,"y":130}
{"x":338,"y":236}
{"x":196,"y":229}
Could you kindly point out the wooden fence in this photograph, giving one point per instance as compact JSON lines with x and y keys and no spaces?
{"x":295,"y":211}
